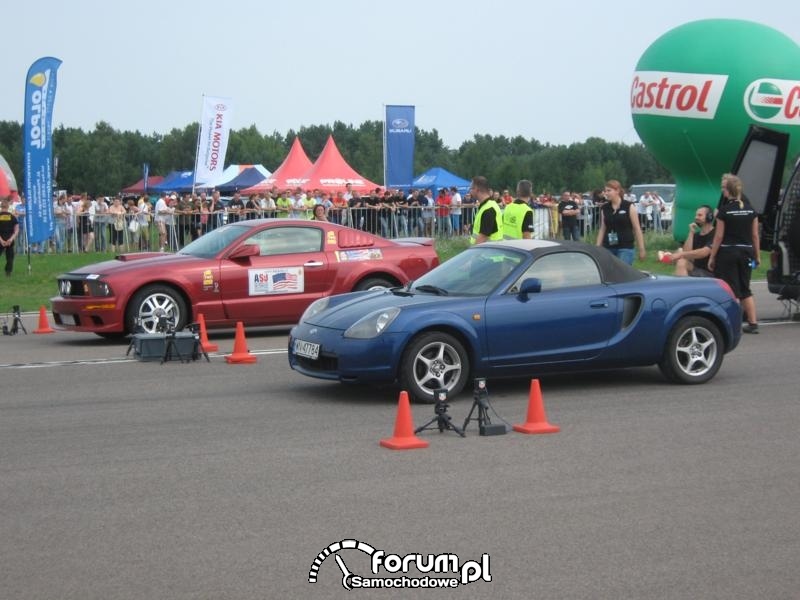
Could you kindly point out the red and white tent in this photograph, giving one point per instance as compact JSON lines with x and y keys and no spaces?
{"x":331,"y":173}
{"x":288,"y":175}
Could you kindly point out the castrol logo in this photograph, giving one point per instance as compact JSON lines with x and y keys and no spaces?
{"x":667,"y":94}
{"x":774,"y":101}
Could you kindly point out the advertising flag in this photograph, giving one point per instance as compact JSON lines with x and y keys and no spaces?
{"x":40,"y":94}
{"x":145,"y":176}
{"x":215,"y":126}
{"x":398,"y":147}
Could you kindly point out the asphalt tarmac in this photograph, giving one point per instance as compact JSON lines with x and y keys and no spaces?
{"x":129,"y":479}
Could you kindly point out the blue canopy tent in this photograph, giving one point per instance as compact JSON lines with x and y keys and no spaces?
{"x":177,"y":181}
{"x":245,"y":179}
{"x":437,"y":178}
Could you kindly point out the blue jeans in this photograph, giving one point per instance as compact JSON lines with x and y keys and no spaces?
{"x":624,"y":254}
{"x":572,"y":233}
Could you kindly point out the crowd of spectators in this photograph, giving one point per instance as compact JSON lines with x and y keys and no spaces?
{"x":171,"y":220}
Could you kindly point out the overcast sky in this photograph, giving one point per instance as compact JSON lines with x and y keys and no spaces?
{"x":556,"y":71}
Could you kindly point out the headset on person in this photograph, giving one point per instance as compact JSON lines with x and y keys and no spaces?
{"x":709,"y":213}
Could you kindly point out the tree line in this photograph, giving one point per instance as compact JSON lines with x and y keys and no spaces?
{"x":105,"y":160}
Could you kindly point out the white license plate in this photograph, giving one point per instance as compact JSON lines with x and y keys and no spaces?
{"x":67,"y":320}
{"x":307,"y":349}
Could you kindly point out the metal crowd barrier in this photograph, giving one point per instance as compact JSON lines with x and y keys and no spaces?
{"x":438,"y":222}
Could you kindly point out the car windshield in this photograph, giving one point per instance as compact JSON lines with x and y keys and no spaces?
{"x":213,"y":242}
{"x":474,"y":272}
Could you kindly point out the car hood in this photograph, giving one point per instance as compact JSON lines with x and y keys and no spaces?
{"x":149,"y":261}
{"x":346,"y":309}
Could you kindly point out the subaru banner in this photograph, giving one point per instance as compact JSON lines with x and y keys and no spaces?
{"x":398,"y":149}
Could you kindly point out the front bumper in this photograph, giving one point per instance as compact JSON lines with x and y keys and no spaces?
{"x":347,"y":360}
{"x":95,"y":315}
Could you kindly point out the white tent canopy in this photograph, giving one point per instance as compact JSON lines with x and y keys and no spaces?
{"x":232,"y":171}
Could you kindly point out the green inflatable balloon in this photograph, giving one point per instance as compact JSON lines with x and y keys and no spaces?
{"x":695,"y":93}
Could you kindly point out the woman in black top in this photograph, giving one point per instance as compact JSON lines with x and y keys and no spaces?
{"x":619,"y":225}
{"x":735,"y":245}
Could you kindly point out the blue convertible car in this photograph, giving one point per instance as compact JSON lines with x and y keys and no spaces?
{"x":519,"y":308}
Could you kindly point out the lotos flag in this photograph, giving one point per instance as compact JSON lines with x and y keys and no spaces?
{"x":398,"y":147}
{"x":212,"y":144}
{"x":40,"y":94}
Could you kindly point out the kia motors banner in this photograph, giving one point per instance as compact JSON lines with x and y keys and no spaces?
{"x":398,"y":147}
{"x":212,"y":144}
{"x":40,"y":94}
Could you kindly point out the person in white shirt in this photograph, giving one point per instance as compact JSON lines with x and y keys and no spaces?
{"x":298,"y":205}
{"x":455,"y":210}
{"x":163,"y":217}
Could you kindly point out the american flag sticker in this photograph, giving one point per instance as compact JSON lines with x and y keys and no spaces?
{"x":281,"y":280}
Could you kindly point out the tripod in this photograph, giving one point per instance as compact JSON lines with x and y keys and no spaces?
{"x":442,"y":420}
{"x":198,"y":345}
{"x":481,"y":403}
{"x":16,"y":323}
{"x":137,"y":328}
{"x":170,"y":346}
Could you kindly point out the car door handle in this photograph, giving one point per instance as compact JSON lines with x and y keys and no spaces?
{"x":313,"y":263}
{"x":599,"y":304}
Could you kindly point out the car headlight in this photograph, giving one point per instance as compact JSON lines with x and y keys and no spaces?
{"x":86,"y":287}
{"x":315,"y":308}
{"x":372,"y":325}
{"x":93,"y":287}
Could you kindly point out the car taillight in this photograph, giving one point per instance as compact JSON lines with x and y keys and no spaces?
{"x":726,"y":287}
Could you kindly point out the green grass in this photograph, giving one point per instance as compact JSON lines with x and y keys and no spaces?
{"x":31,"y":290}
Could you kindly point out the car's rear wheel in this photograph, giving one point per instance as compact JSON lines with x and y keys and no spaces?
{"x":151,"y":303}
{"x":434,"y":360}
{"x":694,"y":351}
{"x":374,"y":283}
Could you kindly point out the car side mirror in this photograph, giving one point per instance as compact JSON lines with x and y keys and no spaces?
{"x":245,"y":251}
{"x":531,"y":285}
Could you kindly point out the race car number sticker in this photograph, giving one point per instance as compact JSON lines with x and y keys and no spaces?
{"x":281,"y":280}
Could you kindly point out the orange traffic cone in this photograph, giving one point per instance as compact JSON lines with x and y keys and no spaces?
{"x":403,"y":438}
{"x":241,"y":355}
{"x":204,"y":343}
{"x":44,"y":326}
{"x":536,"y":421}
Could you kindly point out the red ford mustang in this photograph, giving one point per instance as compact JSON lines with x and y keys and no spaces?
{"x":260,"y":272}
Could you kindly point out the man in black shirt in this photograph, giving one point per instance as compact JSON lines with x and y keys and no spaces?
{"x":235,"y":208}
{"x":568,"y":210}
{"x":692,"y":259}
{"x":9,"y":230}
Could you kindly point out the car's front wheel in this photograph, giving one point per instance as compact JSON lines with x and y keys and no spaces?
{"x":374,"y":283}
{"x":434,"y":360}
{"x":694,"y":351}
{"x":150,"y":304}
